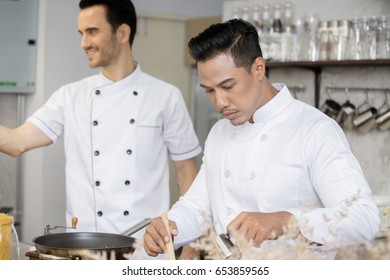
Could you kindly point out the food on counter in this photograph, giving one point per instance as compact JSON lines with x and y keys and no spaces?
{"x":5,"y":234}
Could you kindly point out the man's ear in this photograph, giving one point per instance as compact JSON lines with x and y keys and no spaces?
{"x":258,"y":68}
{"x":124,"y":32}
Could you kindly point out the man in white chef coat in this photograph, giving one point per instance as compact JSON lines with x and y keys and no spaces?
{"x":120,"y":128}
{"x":271,"y":163}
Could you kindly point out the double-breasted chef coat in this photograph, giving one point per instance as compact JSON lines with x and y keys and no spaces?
{"x":118,"y":137}
{"x":292,"y":158}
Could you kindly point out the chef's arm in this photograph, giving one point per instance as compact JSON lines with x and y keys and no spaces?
{"x":347,"y":215}
{"x":16,"y":141}
{"x":186,"y":171}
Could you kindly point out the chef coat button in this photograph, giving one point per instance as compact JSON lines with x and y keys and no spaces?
{"x":129,"y":152}
{"x":227,"y":173}
{"x":132,"y":121}
{"x":127,"y":182}
{"x":100,"y":213}
{"x":97,"y":92}
{"x":95,"y":123}
{"x":263,"y":138}
{"x":126,"y":213}
{"x":252,"y":176}
{"x":135,"y":93}
{"x":97,"y":183}
{"x":233,"y":136}
{"x":96,"y":153}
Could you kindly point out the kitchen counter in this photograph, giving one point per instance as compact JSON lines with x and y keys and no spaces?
{"x":24,"y":248}
{"x":378,"y":249}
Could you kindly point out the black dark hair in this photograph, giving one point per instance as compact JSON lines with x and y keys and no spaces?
{"x":235,"y":37}
{"x":118,"y":12}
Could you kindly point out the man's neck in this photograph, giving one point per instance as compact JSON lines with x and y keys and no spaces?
{"x":115,"y":74}
{"x":124,"y":66}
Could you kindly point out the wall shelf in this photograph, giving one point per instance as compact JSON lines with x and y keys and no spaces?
{"x":317,"y":66}
{"x":321,"y":64}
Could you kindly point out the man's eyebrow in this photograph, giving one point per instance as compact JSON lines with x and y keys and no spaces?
{"x":89,"y":29}
{"x":220,"y":84}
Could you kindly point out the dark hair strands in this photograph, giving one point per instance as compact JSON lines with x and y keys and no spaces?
{"x":235,"y":37}
{"x":118,"y":12}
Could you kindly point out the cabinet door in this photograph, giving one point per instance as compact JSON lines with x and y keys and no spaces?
{"x":18,"y":34}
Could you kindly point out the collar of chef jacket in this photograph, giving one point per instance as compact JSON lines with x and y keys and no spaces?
{"x":125,"y":82}
{"x":273,"y":107}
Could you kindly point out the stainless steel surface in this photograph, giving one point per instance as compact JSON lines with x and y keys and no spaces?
{"x":86,"y":245}
{"x":137,"y":227}
{"x":225,"y":245}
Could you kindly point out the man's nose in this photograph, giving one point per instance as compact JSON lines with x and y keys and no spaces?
{"x":84,"y":42}
{"x":221,"y":100}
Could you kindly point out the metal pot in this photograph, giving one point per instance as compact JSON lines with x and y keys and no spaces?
{"x":87,"y":245}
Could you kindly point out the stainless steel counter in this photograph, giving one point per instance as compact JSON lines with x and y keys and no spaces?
{"x":24,"y":248}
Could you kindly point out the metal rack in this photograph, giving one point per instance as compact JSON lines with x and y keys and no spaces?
{"x":360,"y":89}
{"x":317,"y":66}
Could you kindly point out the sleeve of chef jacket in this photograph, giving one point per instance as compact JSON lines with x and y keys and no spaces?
{"x":179,"y":133}
{"x":349,"y":214}
{"x":192,"y":213}
{"x":50,"y":117}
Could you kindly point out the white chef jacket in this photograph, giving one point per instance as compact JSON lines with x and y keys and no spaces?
{"x":292,"y":158}
{"x":117,"y":137}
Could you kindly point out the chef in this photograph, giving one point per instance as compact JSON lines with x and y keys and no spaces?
{"x":272,"y":164}
{"x":120,"y":128}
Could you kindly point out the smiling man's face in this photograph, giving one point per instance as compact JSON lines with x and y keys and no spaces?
{"x":97,"y":38}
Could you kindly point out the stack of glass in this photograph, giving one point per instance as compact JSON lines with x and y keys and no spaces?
{"x":285,"y":37}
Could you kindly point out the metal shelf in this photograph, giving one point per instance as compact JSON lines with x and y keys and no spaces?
{"x":322,"y":64}
{"x":317,"y":66}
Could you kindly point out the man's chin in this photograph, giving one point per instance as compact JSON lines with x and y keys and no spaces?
{"x":237,"y":122}
{"x":93,"y":65}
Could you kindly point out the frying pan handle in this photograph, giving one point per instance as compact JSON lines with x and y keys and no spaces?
{"x":137,"y":227}
{"x":42,"y":256}
{"x":51,"y":257}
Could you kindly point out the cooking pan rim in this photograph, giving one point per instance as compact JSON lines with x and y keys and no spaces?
{"x":36,"y":240}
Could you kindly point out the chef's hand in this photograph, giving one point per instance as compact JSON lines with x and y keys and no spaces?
{"x":156,"y":236}
{"x":255,"y":227}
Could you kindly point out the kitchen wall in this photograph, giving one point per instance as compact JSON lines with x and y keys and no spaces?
{"x":182,"y":8}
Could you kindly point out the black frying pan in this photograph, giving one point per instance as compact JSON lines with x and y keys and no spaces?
{"x":88,"y":245}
